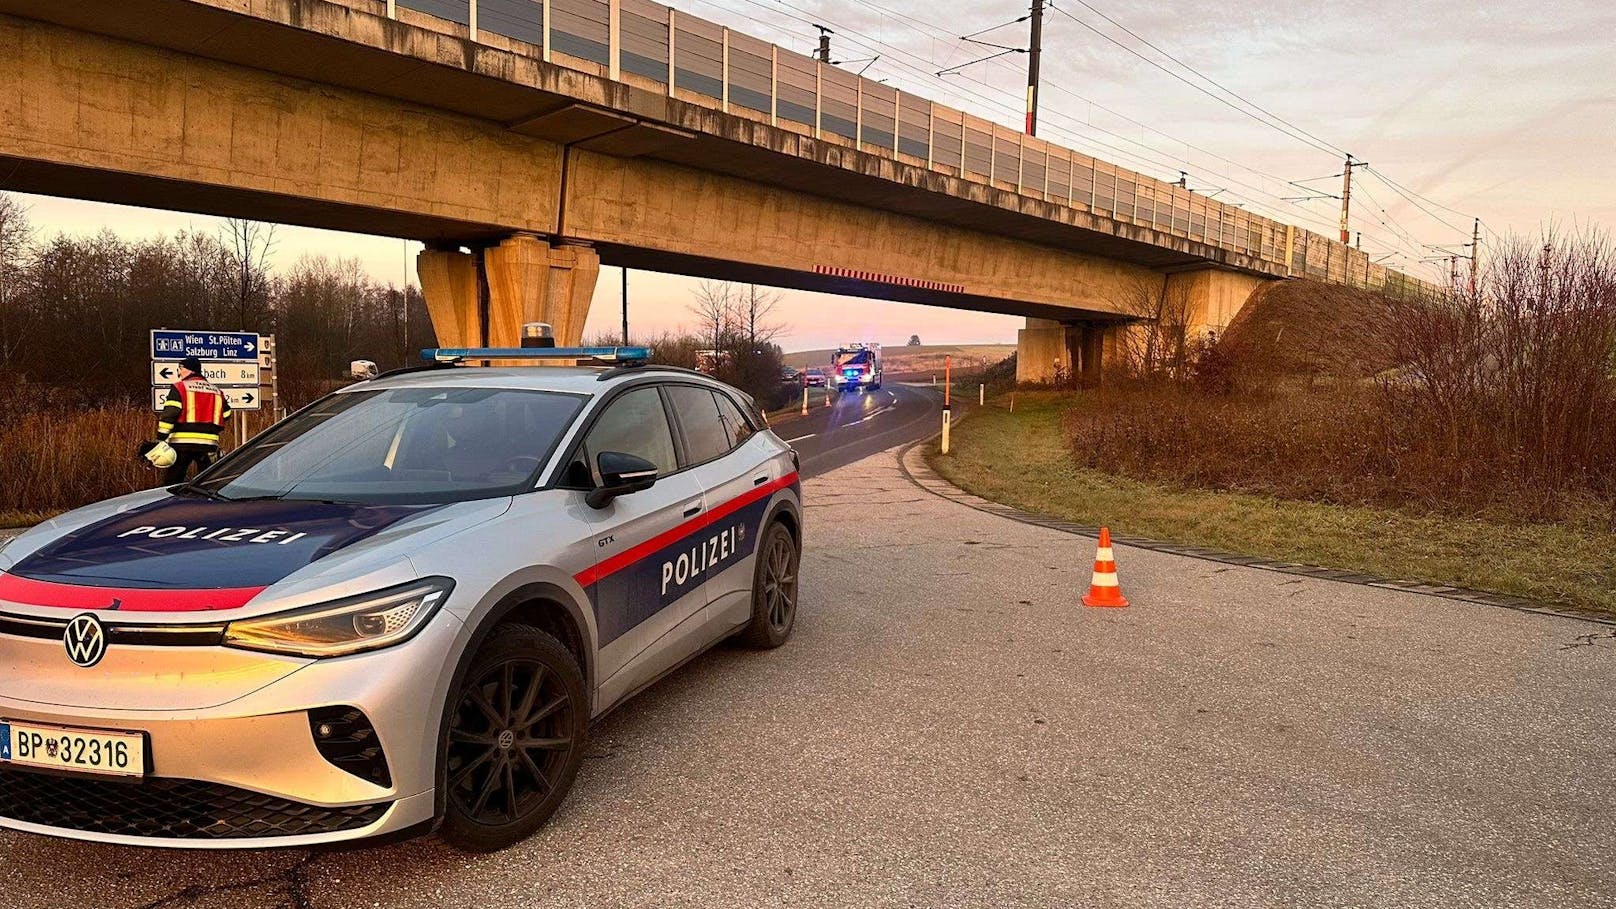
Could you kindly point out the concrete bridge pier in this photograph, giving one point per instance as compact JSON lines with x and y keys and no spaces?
{"x":1048,"y":349}
{"x":1201,"y":300}
{"x":483,"y":297}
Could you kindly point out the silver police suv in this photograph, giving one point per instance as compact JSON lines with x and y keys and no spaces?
{"x":395,"y":611}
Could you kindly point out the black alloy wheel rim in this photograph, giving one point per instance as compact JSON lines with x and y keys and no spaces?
{"x":780,"y":581}
{"x":509,"y":742}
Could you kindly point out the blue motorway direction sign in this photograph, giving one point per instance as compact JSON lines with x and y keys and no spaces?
{"x":206,"y":345}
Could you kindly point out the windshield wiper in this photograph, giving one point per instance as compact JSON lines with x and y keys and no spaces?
{"x":287,"y":497}
{"x":202,"y":491}
{"x":209,"y":494}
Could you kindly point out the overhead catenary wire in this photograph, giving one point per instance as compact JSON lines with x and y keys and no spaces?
{"x":893,"y":54}
{"x":1384,"y":217}
{"x":1278,"y":125}
{"x":927,"y":73}
{"x":1248,"y":102}
{"x":1406,"y":192}
{"x":1408,"y":197}
{"x":926,"y":29}
{"x":1387,"y":220}
{"x":1273,"y":120}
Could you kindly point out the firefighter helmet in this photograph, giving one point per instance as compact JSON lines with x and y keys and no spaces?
{"x":162,"y":454}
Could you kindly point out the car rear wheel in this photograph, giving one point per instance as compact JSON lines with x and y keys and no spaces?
{"x":774,"y":589}
{"x":514,"y":739}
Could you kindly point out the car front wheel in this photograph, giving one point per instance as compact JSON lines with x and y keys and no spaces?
{"x":514,"y":739}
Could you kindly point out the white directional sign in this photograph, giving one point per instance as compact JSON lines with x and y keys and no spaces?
{"x":231,"y":360}
{"x":222,"y":373}
{"x":244,"y":398}
{"x":239,"y":398}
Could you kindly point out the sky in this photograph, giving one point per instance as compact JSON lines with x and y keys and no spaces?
{"x":1499,"y":110}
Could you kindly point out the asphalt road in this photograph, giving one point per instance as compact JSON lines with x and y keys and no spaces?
{"x":859,"y":424}
{"x":949,"y":727}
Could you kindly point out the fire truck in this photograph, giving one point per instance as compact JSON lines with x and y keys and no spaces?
{"x":856,"y":365}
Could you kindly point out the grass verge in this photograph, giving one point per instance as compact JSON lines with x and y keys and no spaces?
{"x":1021,"y":459}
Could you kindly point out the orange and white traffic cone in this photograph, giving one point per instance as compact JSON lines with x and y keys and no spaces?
{"x":1104,"y":589}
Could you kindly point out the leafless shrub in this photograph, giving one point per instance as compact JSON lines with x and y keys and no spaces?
{"x":1514,"y":383}
{"x":1159,"y":343}
{"x":1498,"y":401}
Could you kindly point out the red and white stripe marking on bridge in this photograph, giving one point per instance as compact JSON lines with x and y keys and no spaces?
{"x":879,"y":278}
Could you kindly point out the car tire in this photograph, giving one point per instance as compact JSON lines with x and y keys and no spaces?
{"x":774,"y":589}
{"x":513,"y":739}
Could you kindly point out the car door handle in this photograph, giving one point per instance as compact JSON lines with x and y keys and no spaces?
{"x":759,"y":481}
{"x":692,"y":510}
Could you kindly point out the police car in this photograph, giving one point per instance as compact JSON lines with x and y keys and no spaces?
{"x":395,"y":611}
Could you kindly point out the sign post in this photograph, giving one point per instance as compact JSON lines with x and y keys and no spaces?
{"x":266,"y":363}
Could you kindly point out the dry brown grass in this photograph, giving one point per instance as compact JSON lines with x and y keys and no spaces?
{"x":57,"y":460}
{"x":1339,"y":443}
{"x":1024,"y":459}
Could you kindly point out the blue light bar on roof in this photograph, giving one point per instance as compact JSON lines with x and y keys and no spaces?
{"x":603,"y":354}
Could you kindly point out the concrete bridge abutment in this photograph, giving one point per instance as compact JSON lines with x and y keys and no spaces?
{"x":483,"y":297}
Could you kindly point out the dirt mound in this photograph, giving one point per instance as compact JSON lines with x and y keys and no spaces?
{"x":1300,"y":327}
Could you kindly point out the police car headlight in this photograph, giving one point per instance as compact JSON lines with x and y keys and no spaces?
{"x":352,"y":625}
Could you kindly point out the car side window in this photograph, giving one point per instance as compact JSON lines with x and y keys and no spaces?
{"x":704,"y":433}
{"x":634,"y":423}
{"x":735,"y":423}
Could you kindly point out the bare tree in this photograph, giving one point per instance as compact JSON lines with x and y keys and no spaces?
{"x":714,"y":309}
{"x":16,"y":238}
{"x":753,"y":309}
{"x":251,"y":245}
{"x":1159,"y":340}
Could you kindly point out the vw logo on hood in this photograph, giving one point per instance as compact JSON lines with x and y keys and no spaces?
{"x":86,"y":640}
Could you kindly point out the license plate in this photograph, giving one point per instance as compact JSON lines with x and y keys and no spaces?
{"x":86,"y":750}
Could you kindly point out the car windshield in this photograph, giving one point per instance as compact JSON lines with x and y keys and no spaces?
{"x":405,"y":446}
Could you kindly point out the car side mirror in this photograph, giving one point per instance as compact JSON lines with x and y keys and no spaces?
{"x":620,"y":474}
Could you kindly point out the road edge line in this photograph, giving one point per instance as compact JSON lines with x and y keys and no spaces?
{"x":923,"y":476}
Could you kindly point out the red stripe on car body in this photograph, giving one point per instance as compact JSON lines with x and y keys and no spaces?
{"x":633,"y":554}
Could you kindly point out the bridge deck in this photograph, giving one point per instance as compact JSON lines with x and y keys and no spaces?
{"x":632,"y":77}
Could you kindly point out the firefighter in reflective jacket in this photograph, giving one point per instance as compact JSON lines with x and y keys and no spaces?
{"x":192,"y":416}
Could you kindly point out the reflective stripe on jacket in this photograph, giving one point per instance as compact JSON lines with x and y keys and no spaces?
{"x":193,"y":413}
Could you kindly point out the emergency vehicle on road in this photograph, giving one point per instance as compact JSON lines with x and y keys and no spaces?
{"x":855,"y":366}
{"x":395,"y":611}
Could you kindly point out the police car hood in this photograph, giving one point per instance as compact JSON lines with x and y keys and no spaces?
{"x":184,"y":554}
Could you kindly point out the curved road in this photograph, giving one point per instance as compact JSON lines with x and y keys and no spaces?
{"x":859,"y":424}
{"x":949,"y":727}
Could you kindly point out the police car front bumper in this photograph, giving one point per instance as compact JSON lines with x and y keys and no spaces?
{"x":230,"y":742}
